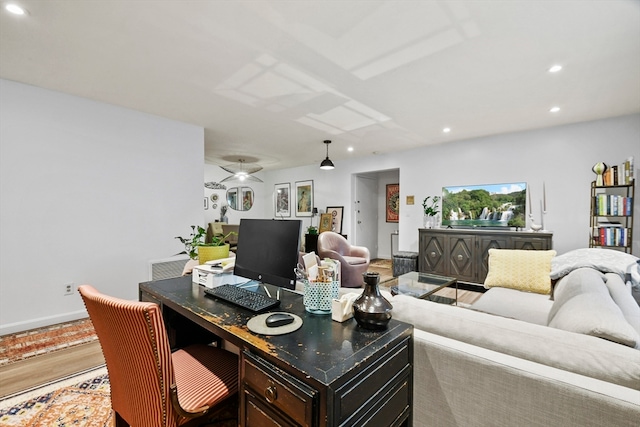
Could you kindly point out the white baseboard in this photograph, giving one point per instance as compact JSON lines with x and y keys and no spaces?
{"x":12,"y":328}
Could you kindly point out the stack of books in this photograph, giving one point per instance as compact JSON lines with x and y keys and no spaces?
{"x":621,"y":174}
{"x":610,"y":234}
{"x":613,"y":205}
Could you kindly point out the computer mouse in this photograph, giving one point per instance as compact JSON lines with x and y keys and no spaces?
{"x":278,"y":319}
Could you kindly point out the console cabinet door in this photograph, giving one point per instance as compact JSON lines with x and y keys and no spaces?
{"x":461,"y":264}
{"x":432,"y":254}
{"x":484,"y":244}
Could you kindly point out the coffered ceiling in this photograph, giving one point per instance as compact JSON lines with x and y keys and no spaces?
{"x":270,"y":80}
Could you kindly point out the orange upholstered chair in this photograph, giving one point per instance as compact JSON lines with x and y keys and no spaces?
{"x":150,"y":385}
{"x":354,"y":260}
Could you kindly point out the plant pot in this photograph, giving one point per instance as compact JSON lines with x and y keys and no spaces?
{"x":208,"y":253}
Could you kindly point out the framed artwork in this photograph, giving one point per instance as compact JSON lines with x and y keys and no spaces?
{"x":282,"y":196}
{"x":304,"y":198}
{"x":247,"y":198}
{"x":393,"y":202}
{"x":326,"y":222}
{"x":336,"y":215}
{"x":206,"y":203}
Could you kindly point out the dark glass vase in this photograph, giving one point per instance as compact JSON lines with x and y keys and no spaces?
{"x":371,"y":310}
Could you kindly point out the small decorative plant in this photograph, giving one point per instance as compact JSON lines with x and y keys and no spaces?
{"x":312,"y":230}
{"x":197,"y":237}
{"x":431,"y":209}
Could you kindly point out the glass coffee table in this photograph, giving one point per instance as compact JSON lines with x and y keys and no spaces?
{"x":424,"y":286}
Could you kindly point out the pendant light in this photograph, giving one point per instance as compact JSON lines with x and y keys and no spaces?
{"x":327,"y":164}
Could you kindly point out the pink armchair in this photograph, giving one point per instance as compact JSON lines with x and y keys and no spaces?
{"x":354,"y":260}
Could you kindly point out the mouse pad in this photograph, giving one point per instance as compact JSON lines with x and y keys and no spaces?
{"x":256,"y":324}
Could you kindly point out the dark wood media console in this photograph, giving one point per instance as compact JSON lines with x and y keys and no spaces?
{"x":463,"y":253}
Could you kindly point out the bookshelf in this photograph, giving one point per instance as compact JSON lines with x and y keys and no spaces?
{"x":612,"y":216}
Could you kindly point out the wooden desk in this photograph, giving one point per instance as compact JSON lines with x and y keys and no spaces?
{"x":324,"y":374}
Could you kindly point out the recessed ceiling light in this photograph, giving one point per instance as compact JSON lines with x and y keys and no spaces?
{"x":350,"y":149}
{"x":446,"y":130}
{"x":555,"y":68}
{"x":554,"y":109}
{"x":15,"y":9}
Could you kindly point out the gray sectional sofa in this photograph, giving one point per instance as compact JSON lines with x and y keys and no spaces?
{"x":518,"y":358}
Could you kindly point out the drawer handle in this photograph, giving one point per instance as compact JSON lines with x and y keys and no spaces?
{"x":433,"y":254}
{"x":459,"y":257}
{"x":271,"y":393}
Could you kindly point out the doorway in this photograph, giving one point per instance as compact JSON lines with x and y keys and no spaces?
{"x":369,"y":211}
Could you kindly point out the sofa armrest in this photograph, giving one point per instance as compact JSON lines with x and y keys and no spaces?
{"x":457,"y":383}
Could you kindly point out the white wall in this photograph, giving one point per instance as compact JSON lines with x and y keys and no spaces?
{"x":560,"y":157}
{"x":89,"y":193}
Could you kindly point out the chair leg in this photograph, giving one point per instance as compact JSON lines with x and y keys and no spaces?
{"x":120,"y":422}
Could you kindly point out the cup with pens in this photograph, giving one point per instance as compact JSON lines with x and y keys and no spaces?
{"x":319,"y":290}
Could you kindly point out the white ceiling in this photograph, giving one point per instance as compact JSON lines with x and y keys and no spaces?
{"x":270,"y":80}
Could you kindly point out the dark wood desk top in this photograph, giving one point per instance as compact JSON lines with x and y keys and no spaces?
{"x":321,"y":349}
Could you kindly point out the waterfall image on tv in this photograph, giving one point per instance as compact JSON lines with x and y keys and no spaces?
{"x":492,"y":205}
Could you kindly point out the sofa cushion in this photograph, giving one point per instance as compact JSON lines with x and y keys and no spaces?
{"x":526,"y":306}
{"x":583,"y":305}
{"x":520,"y":269}
{"x":622,"y":296}
{"x":582,"y":354}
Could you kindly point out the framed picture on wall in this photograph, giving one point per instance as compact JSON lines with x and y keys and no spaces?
{"x":393,"y":202}
{"x":336,"y":215}
{"x":326,"y":222}
{"x":304,"y":198}
{"x":282,"y":194}
{"x":247,"y":198}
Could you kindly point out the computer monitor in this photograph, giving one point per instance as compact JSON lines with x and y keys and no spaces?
{"x":268,"y":251}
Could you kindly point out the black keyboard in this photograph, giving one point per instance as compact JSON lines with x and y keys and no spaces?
{"x":244,"y":298}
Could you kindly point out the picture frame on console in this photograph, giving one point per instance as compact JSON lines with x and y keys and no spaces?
{"x":282,"y":197}
{"x":336,"y":213}
{"x":326,"y":223}
{"x":304,"y":198}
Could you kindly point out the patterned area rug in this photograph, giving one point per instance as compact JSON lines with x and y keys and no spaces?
{"x":23,"y":345}
{"x":82,"y":400}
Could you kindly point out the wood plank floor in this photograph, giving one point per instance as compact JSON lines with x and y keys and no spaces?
{"x":39,"y":370}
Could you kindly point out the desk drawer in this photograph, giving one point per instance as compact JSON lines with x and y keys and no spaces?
{"x":366,"y":388}
{"x":278,"y":390}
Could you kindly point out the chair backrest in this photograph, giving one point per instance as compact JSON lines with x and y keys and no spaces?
{"x":135,"y":346}
{"x":328,"y":240}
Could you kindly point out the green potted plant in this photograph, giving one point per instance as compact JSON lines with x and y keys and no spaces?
{"x":196,"y":248}
{"x":430,"y":211}
{"x":312,"y":230}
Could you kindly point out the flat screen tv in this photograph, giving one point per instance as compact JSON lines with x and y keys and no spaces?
{"x":268,"y":251}
{"x":491,"y":205}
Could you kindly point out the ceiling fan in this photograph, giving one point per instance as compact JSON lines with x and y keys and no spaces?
{"x":242,"y":171}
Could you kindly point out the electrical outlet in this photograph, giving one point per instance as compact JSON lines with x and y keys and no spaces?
{"x":69,"y":288}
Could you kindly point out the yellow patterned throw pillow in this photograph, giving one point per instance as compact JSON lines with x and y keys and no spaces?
{"x":524,"y":270}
